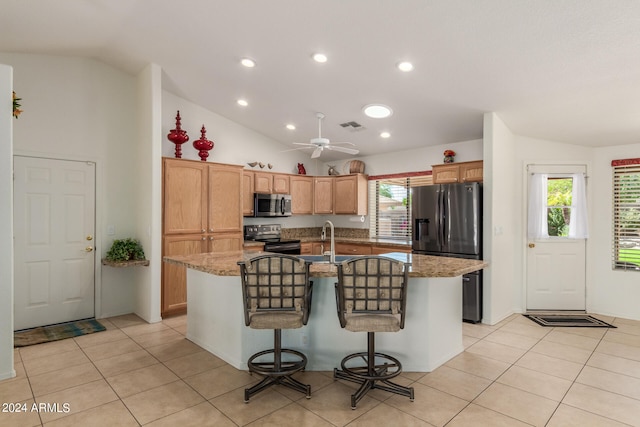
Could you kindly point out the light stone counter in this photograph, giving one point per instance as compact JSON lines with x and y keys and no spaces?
{"x":226,"y":264}
{"x":433,"y":326}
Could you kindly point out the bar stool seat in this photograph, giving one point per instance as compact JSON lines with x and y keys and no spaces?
{"x":276,"y":294}
{"x":371,"y":297}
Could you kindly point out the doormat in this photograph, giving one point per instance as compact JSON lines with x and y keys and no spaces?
{"x":57,"y":332}
{"x":568,"y":320}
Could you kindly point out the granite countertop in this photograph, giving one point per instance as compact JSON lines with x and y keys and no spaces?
{"x":226,"y":264}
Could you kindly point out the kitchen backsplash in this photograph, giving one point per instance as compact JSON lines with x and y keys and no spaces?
{"x":297,"y":233}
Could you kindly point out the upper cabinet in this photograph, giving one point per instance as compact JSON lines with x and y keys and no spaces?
{"x":458,"y":172}
{"x":325,"y":195}
{"x":351,"y":195}
{"x":301,"y":194}
{"x":247,"y":193}
{"x":184,"y":197}
{"x":267,"y":182}
{"x":322,"y":195}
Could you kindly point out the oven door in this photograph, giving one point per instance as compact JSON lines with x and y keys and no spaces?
{"x":290,"y":248}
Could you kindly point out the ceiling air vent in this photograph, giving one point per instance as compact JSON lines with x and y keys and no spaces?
{"x":352,"y":126}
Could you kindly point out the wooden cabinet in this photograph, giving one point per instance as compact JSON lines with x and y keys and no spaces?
{"x":458,"y":172}
{"x":247,"y":193}
{"x":471,"y":171}
{"x":267,"y":182}
{"x":382,"y":249}
{"x":351,"y":195}
{"x":318,"y":248}
{"x":353,"y":249}
{"x":306,"y":248}
{"x":202,"y":212}
{"x":323,"y":194}
{"x":301,"y":194}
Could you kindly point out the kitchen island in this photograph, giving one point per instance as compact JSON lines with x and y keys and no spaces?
{"x":433,"y":325}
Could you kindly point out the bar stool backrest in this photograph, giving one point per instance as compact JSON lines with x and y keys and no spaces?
{"x":372,"y":285}
{"x":275,"y":283}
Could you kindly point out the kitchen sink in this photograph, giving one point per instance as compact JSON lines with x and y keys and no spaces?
{"x":324,"y":259}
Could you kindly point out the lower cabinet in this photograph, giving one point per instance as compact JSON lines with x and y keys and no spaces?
{"x":352,"y":249}
{"x":174,"y":278}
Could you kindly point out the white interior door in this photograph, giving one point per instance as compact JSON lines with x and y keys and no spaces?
{"x":54,"y":226}
{"x":556,"y":263}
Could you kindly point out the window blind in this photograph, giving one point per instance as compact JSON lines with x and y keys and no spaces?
{"x":390,"y":204}
{"x":626,"y":214}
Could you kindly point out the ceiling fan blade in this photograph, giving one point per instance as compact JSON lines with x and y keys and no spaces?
{"x":343,"y":149}
{"x":343,"y":143}
{"x":295,"y":149}
{"x":316,"y":153}
{"x":303,"y":143}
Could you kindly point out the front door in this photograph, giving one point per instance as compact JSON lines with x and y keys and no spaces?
{"x":556,"y":262}
{"x":54,"y":229}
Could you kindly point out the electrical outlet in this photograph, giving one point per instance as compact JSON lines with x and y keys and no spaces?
{"x":111,"y":230}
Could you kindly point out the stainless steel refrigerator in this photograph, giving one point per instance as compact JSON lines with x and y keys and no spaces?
{"x":447,"y":221}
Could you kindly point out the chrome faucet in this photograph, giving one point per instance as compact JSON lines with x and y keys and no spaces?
{"x":332,"y":254}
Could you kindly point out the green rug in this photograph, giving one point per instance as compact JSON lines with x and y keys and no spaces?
{"x":57,"y":332}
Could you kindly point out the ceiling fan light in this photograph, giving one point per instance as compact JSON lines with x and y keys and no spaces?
{"x":377,"y":111}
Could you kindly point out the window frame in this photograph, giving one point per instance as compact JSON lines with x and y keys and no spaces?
{"x":622,"y":169}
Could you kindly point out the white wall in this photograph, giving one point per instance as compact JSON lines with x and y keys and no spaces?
{"x":81,"y":109}
{"x":614,"y":293}
{"x":149,"y":197}
{"x":6,"y":224}
{"x":500,"y":219}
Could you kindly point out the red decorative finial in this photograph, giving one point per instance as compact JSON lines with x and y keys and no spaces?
{"x":178,"y":137}
{"x":203,"y":145}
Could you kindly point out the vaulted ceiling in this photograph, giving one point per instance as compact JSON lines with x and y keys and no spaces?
{"x":563,"y":70}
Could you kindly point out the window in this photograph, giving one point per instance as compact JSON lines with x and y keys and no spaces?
{"x":559,"y":194}
{"x":390,"y":204}
{"x":557,"y":204}
{"x":626,"y":214}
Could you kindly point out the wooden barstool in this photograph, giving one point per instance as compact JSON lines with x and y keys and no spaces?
{"x":371,"y":295}
{"x":276,"y":293}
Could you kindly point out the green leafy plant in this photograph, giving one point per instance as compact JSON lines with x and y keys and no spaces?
{"x":125,"y":250}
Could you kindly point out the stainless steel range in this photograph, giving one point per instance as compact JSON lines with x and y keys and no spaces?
{"x":270,"y":234}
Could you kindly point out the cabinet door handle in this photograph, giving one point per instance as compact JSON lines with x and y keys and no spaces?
{"x":204,"y":230}
{"x":204,"y":238}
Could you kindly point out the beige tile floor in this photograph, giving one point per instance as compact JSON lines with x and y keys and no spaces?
{"x":515,"y":373}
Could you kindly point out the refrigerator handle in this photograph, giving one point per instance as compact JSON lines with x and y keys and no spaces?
{"x":441,"y":216}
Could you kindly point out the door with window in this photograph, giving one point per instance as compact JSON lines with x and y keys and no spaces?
{"x":54,"y":223}
{"x":556,"y":243}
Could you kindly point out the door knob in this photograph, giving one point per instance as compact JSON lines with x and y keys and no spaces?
{"x":532,"y":245}
{"x":88,"y":248}
{"x":89,"y":237}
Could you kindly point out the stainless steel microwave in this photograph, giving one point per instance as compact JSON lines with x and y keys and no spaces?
{"x":272,"y":204}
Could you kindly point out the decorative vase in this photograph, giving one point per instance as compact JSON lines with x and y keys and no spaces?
{"x":178,"y":136}
{"x":448,"y":159}
{"x":203,"y":145}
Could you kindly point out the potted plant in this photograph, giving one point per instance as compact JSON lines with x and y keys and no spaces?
{"x":125,"y":250}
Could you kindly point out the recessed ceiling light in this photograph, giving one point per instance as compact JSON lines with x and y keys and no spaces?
{"x":385,"y":135}
{"x":291,"y":127}
{"x":405,"y":66}
{"x":247,"y":62}
{"x":377,"y":111}
{"x":242,"y":102}
{"x":320,"y":57}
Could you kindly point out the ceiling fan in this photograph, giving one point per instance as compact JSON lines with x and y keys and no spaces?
{"x":319,"y":144}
